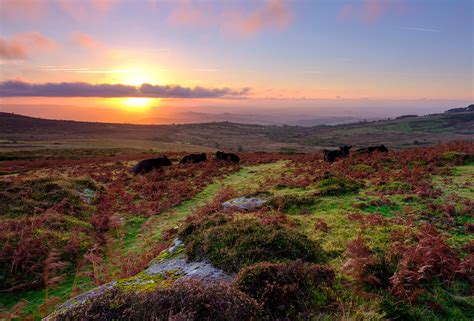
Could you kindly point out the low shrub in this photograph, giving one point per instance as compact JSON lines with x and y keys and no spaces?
{"x":183,"y":300}
{"x":430,"y":258}
{"x":334,"y":186}
{"x":369,"y":269}
{"x":35,"y":196}
{"x":288,"y":202}
{"x":287,"y":290}
{"x":234,"y":241}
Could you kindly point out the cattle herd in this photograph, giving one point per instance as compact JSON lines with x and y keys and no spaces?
{"x":147,"y":165}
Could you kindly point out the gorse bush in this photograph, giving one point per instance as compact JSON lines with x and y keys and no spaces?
{"x":232,"y":241}
{"x":183,"y":300}
{"x":287,"y":290}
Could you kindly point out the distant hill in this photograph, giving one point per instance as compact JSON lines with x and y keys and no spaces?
{"x":396,"y":133}
{"x":295,"y":120}
{"x":461,"y":109}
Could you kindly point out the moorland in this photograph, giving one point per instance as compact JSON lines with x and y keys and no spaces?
{"x":368,"y":237}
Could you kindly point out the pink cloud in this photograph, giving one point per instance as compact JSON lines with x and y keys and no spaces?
{"x":82,"y":9}
{"x":270,"y":14}
{"x":370,"y":11}
{"x":188,"y":13}
{"x":85,"y":41}
{"x":23,"y":45}
{"x":22,"y":9}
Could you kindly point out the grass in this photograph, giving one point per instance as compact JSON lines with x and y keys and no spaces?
{"x":330,"y":201}
{"x":247,"y":178}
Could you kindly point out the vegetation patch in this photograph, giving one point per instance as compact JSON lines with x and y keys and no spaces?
{"x":190,"y":300}
{"x":35,"y":196}
{"x":334,"y":186}
{"x":292,"y":202}
{"x":231,"y":242}
{"x":291,"y":290}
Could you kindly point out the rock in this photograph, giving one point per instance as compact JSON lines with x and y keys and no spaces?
{"x":198,"y":270}
{"x":169,"y":266}
{"x":87,"y":195}
{"x":80,"y":299}
{"x":176,"y":244}
{"x":245,"y":203}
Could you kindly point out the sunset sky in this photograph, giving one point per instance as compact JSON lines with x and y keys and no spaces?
{"x":132,"y":60}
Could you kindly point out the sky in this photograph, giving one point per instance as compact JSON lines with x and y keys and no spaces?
{"x":153,"y":60}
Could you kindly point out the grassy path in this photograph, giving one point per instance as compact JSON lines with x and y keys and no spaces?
{"x":247,"y":178}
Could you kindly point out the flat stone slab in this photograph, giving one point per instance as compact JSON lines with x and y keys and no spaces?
{"x":245,"y":203}
{"x":196,"y":270}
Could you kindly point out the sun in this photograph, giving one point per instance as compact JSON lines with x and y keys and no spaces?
{"x":133,"y":104}
{"x":138,"y":102}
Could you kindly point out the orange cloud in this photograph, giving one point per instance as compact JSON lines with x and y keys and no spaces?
{"x":85,"y":41}
{"x":270,"y":14}
{"x":370,"y":11}
{"x":23,"y":45}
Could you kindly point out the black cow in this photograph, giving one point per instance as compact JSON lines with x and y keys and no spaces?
{"x":332,"y":155}
{"x":193,"y":158}
{"x":371,"y":149}
{"x":147,"y":165}
{"x":227,"y":157}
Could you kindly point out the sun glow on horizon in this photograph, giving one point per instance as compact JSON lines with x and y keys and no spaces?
{"x":134,"y":104}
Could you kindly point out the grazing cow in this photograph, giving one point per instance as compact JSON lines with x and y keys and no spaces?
{"x":332,"y":155}
{"x":193,"y":158}
{"x":371,"y":149}
{"x":147,"y":165}
{"x":227,"y":157}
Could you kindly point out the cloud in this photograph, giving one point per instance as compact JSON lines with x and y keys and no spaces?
{"x":13,"y":88}
{"x":22,"y":9}
{"x":273,"y":14}
{"x":176,"y":91}
{"x":19,"y":10}
{"x":268,"y":14}
{"x":12,"y":50}
{"x":83,"y":9}
{"x":24,"y":45}
{"x":423,"y":29}
{"x":370,"y":11}
{"x":85,"y":41}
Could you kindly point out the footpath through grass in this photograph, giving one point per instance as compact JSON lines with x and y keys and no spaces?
{"x":247,"y":178}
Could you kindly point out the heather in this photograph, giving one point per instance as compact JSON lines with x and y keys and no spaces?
{"x":380,"y":236}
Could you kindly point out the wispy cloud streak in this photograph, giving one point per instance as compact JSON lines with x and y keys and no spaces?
{"x":423,"y":29}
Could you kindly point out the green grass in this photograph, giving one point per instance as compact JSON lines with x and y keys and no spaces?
{"x":246,"y":179}
{"x":35,"y":298}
